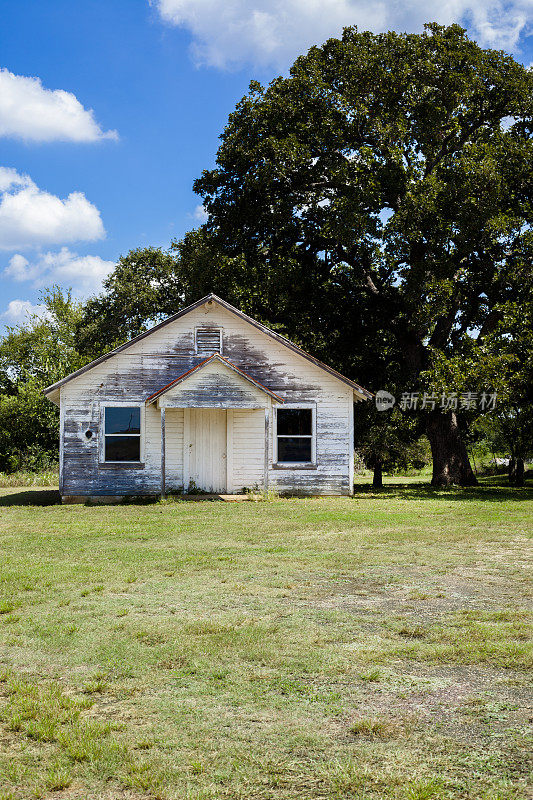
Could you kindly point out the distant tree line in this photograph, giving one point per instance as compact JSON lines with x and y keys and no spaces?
{"x":375,"y":207}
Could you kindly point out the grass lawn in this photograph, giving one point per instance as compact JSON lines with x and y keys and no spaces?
{"x":374,"y":647}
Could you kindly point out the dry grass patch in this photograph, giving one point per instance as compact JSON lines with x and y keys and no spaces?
{"x":376,"y":728}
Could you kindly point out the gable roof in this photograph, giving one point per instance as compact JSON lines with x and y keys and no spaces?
{"x":215,"y":357}
{"x":363,"y":394}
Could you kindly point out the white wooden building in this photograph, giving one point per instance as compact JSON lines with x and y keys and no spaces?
{"x":209,"y":400}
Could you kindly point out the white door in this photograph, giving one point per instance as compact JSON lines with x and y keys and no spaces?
{"x":206,"y":443}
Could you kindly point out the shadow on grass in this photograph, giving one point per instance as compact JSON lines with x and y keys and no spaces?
{"x":492,"y":489}
{"x":32,"y":497}
{"x":489,"y":489}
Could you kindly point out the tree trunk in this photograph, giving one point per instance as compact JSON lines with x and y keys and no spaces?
{"x":516,"y":475}
{"x":450,"y":458}
{"x":519,"y":480}
{"x":377,"y":480}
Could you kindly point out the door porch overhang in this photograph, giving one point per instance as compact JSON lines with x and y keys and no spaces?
{"x":214,"y":383}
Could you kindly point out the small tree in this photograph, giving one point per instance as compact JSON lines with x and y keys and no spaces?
{"x":387,"y":440}
{"x":510,"y":425}
{"x":33,"y":355}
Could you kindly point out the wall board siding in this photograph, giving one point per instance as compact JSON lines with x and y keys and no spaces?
{"x":248,"y":449}
{"x":174,"y":448}
{"x":158,"y":359}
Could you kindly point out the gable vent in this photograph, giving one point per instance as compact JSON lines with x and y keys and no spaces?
{"x":208,"y":341}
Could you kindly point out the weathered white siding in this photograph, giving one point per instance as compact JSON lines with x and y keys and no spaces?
{"x":154,"y":361}
{"x":248,"y":449}
{"x":174,"y":448}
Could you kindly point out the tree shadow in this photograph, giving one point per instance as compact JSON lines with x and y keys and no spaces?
{"x":493,"y":489}
{"x":32,"y":497}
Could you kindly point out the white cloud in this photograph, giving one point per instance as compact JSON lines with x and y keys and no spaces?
{"x":83,"y":273}
{"x":21,"y":310}
{"x":10,"y":178}
{"x":200,"y":214}
{"x":273,"y":32}
{"x":19,"y":269}
{"x":29,"y":111}
{"x":31,"y":217}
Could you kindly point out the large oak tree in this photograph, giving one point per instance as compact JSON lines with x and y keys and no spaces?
{"x":388,"y":175}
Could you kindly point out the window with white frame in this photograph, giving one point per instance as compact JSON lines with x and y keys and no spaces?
{"x":295,"y":435}
{"x":122,"y":433}
{"x":208,"y":341}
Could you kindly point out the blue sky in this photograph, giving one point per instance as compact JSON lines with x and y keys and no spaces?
{"x":77,"y":189}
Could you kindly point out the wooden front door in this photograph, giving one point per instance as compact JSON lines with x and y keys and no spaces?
{"x":205,"y":439}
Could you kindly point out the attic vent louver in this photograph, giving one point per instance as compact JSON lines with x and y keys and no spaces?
{"x":208,"y":341}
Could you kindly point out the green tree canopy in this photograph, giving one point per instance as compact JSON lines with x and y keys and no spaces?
{"x":387,"y":179}
{"x":510,"y":428}
{"x":33,"y":355}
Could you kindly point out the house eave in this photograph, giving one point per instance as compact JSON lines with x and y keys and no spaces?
{"x":54,"y":396}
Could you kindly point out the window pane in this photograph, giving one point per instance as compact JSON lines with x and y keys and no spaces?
{"x":122,"y":448}
{"x":122,"y":420}
{"x":294,"y":449}
{"x":295,"y":421}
